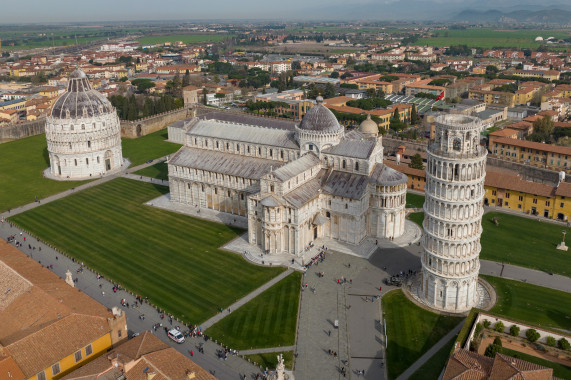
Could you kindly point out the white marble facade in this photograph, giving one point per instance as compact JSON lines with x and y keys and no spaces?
{"x":294,"y":183}
{"x":453,"y":209}
{"x":83,"y":133}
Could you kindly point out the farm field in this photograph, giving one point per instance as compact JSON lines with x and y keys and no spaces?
{"x":269,"y":320}
{"x":21,"y":164}
{"x":170,"y":258}
{"x":185,"y":38}
{"x":487,"y":38}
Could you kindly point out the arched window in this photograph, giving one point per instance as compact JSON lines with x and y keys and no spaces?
{"x":71,"y":127}
{"x":357,"y":166}
{"x":457,"y":144}
{"x":344,"y":164}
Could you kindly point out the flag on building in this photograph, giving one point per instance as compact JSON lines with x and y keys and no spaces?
{"x":440,"y":97}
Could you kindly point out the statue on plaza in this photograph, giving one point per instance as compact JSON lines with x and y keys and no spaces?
{"x":69,"y":279}
{"x":561,"y":246}
{"x":280,"y":368}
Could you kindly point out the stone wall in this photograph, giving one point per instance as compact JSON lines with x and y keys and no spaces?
{"x":142,"y":127}
{"x":19,"y":131}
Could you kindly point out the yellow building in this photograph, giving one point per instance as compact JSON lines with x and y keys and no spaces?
{"x":493,"y":97}
{"x":545,"y":74}
{"x":524,"y":95}
{"x":49,"y":328}
{"x":49,"y":92}
{"x":17,"y":104}
{"x":545,"y":155}
{"x":386,"y":87}
{"x":141,"y":66}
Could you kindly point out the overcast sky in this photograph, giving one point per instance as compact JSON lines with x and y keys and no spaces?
{"x":116,"y":10}
{"x":48,"y":11}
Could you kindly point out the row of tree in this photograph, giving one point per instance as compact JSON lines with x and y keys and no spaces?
{"x":133,"y":108}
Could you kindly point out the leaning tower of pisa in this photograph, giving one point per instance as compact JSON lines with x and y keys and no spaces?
{"x":453,"y":214}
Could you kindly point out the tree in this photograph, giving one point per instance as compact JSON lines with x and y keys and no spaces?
{"x":334,"y":74}
{"x":186,"y":78}
{"x":514,"y":330}
{"x":204,"y":92}
{"x":532,"y":335}
{"x":542,"y":129}
{"x":491,"y":69}
{"x":492,"y":350}
{"x":550,"y":341}
{"x":563,"y":344}
{"x":499,"y":327}
{"x":498,"y":341}
{"x":416,"y":162}
{"x":329,"y":91}
{"x":413,"y":115}
{"x":486,"y":323}
{"x":371,"y":92}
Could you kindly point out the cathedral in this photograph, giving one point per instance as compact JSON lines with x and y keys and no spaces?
{"x":293,"y":182}
{"x":83,"y":133}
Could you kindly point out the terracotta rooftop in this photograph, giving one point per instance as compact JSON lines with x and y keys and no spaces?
{"x":534,"y":145}
{"x":503,"y":132}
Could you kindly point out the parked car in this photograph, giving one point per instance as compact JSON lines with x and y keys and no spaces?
{"x":175,"y":335}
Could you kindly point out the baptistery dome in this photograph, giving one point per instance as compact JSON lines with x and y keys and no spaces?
{"x":83,"y":133}
{"x":80,"y":100}
{"x":320,"y":119}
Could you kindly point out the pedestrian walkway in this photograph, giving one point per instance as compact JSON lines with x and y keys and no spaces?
{"x":531,"y":276}
{"x":232,"y":308}
{"x":433,"y":350}
{"x":267,"y":350}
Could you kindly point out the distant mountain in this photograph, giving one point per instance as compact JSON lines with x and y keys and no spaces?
{"x":544,"y":16}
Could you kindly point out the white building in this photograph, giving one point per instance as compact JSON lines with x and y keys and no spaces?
{"x":83,"y":133}
{"x":453,"y":209}
{"x":294,"y":183}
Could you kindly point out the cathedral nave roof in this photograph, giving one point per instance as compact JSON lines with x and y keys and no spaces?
{"x":352,"y":148}
{"x":347,"y":185}
{"x":223,"y":163}
{"x":385,"y":176}
{"x":242,"y":133}
{"x":293,"y":168}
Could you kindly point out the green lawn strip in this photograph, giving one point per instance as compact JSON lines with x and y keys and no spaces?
{"x":159,"y":170}
{"x":185,"y":38}
{"x":559,"y":370}
{"x":21,"y":165}
{"x":417,"y":217}
{"x":532,"y":304}
{"x":525,"y":242}
{"x":269,"y":320}
{"x":149,"y":147}
{"x":414,"y":200}
{"x":173,"y":259}
{"x":411,"y":331}
{"x":434,"y":366}
{"x":270,"y":360}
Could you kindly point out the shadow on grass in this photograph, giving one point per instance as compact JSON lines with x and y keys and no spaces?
{"x":46,"y":156}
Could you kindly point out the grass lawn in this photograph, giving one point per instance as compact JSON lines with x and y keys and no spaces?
{"x":489,"y":38}
{"x":414,"y":200}
{"x":159,"y":170}
{"x":173,"y":259}
{"x":525,"y":242}
{"x":21,"y":164}
{"x":533,"y":304}
{"x":269,"y":320}
{"x":185,"y":38}
{"x":270,"y":360}
{"x":559,"y":370}
{"x":432,"y":368}
{"x":148,"y":147}
{"x":411,"y":331}
{"x":417,"y":217}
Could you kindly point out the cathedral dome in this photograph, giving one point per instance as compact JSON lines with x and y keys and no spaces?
{"x":80,"y":100}
{"x":368,"y":127}
{"x":320,"y":119}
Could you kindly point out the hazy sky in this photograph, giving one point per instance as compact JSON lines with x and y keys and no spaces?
{"x":113,"y":10}
{"x":47,"y":11}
